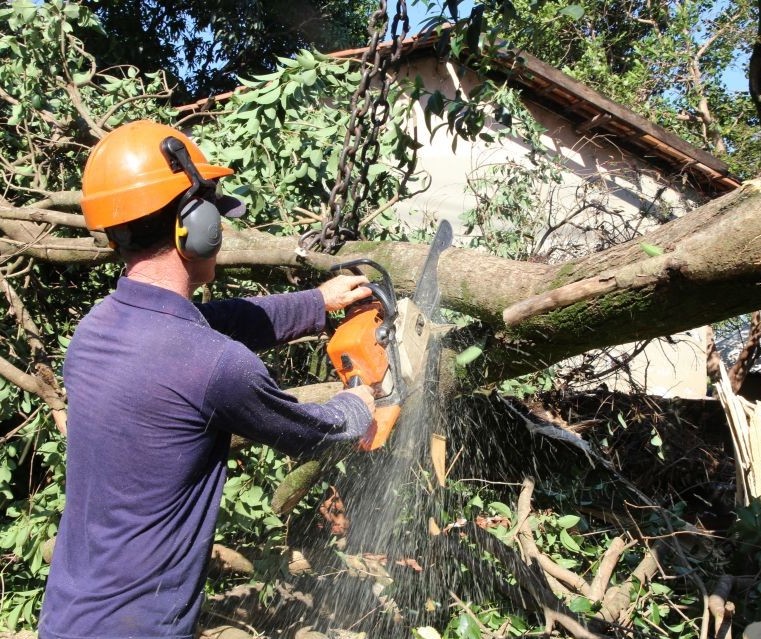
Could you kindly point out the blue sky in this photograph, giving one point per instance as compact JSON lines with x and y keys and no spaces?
{"x":417,"y":11}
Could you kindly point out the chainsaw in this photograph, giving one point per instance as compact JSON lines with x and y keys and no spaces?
{"x":383,"y":342}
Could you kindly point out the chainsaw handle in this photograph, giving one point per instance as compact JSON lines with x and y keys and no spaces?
{"x":383,"y":333}
{"x":353,"y":265}
{"x":383,"y":293}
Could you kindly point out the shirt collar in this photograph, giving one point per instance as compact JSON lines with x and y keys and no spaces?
{"x":155,"y":298}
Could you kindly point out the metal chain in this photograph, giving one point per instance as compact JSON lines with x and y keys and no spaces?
{"x":360,"y":145}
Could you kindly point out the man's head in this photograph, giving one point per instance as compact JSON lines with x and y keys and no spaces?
{"x":148,"y":186}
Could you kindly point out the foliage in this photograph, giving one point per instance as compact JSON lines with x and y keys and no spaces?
{"x":664,"y":60}
{"x":206,"y":46}
{"x":571,"y":542}
{"x":284,"y":135}
{"x":32,"y":498}
{"x":54,"y":101}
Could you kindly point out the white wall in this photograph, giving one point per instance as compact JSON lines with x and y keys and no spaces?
{"x":622,"y":183}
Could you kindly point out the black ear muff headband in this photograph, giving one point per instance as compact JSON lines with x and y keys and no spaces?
{"x":198,"y":231}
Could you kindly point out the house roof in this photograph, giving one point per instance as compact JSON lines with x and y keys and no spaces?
{"x":590,"y":112}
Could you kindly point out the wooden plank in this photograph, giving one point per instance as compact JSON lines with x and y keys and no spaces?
{"x":575,"y":88}
{"x":599,"y":119}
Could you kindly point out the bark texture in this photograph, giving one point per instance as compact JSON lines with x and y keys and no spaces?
{"x":698,"y":269}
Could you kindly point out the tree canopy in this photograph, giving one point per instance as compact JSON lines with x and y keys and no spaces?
{"x":207,"y":46}
{"x":665,"y":60}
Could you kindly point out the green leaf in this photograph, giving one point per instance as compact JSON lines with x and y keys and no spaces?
{"x":581,"y":605}
{"x":467,"y":628}
{"x":475,"y":502}
{"x":651,"y":249}
{"x":13,"y":617}
{"x":436,"y":103}
{"x":308,"y":78}
{"x":568,"y":541}
{"x":568,"y":521}
{"x":71,"y":11}
{"x":660,"y":589}
{"x":306,"y":59}
{"x":573,"y":11}
{"x":564,"y":562}
{"x":272,"y":522}
{"x":500,"y":508}
{"x":469,"y":355}
{"x":27,"y":13}
{"x":269,"y":97}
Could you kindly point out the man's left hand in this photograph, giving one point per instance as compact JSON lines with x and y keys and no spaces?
{"x":343,"y":290}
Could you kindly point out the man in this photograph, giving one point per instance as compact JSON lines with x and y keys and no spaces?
{"x":157,"y":384}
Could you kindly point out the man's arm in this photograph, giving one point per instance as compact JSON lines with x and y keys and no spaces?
{"x":242,"y":398}
{"x":264,"y":322}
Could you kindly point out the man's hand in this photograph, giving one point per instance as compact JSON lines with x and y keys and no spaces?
{"x":343,"y":290}
{"x":365,"y":393}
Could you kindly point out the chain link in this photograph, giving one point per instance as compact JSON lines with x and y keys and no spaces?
{"x":361,"y":146}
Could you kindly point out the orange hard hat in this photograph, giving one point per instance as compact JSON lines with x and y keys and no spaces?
{"x":128,"y":177}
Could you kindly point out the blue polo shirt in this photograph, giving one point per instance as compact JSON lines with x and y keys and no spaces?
{"x":156,"y":385}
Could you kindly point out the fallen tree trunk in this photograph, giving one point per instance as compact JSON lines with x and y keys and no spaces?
{"x":698,"y":269}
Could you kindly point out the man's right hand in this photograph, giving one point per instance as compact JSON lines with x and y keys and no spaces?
{"x":365,"y":393}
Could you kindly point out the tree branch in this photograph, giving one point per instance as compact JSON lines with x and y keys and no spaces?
{"x":606,"y":568}
{"x":555,"y":574}
{"x":46,"y":385}
{"x":36,"y":214}
{"x":36,"y":386}
{"x":747,"y":357}
{"x":617,"y":599}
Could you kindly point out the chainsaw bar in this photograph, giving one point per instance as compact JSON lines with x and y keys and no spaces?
{"x":427,"y":293}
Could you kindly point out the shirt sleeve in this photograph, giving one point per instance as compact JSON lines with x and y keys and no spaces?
{"x":264,"y":322}
{"x":242,"y":398}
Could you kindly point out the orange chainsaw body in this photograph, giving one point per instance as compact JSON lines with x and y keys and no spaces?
{"x":358,"y":357}
{"x":384,"y":343}
{"x":354,"y":350}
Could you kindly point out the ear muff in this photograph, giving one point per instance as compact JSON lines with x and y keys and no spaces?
{"x":198,"y":231}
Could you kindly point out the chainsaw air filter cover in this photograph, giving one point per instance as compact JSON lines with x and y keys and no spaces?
{"x":354,"y":349}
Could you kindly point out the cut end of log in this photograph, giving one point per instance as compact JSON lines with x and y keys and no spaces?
{"x":753,"y":185}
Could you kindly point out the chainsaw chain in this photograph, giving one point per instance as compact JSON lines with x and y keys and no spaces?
{"x":360,"y":144}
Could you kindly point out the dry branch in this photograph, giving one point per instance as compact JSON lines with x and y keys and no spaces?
{"x":617,"y":599}
{"x":43,"y":383}
{"x":606,"y":569}
{"x":721,"y":608}
{"x":36,"y":214}
{"x":744,"y":421}
{"x":747,"y":357}
{"x":555,"y":574}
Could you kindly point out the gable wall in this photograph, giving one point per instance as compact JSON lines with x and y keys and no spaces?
{"x":621,"y":184}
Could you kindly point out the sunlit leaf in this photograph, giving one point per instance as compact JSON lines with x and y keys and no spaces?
{"x":573,"y":11}
{"x":568,"y":541}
